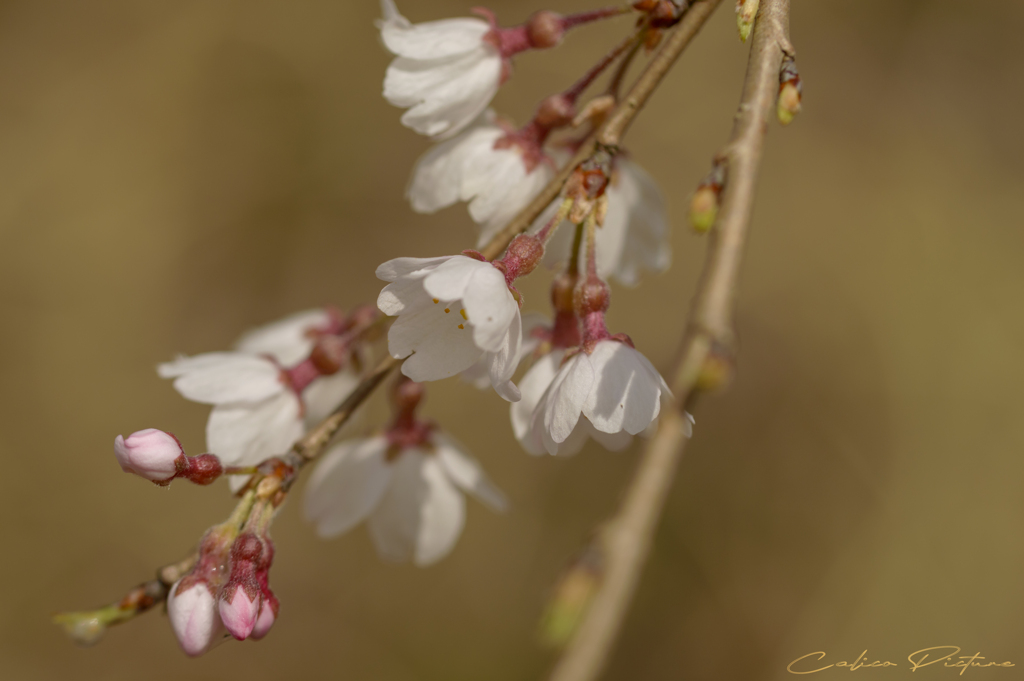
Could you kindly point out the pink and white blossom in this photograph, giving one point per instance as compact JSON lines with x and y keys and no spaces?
{"x":257,"y":412}
{"x":412,"y":499}
{"x":609,"y":394}
{"x":452,"y":312}
{"x":444,"y":72}
{"x":496,"y":181}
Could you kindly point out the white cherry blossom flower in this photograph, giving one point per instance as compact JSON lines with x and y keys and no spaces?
{"x":452,"y":311}
{"x":289,"y":341}
{"x":497,"y":182}
{"x":255,"y":414}
{"x":413,"y":499}
{"x":610,"y":394}
{"x":444,"y":72}
{"x":635,"y":234}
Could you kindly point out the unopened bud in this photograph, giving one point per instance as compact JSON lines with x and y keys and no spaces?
{"x":194,"y":618}
{"x":267,"y":617}
{"x":239,"y":600}
{"x":545,"y":29}
{"x":149,"y":453}
{"x":790,"y":92}
{"x":704,"y":203}
{"x":239,"y":611}
{"x":329,"y":355}
{"x":704,"y":208}
{"x":716,"y":370}
{"x":571,"y":598}
{"x":269,"y":606}
{"x":592,"y":295}
{"x":522,"y":256}
{"x":554,"y":112}
{"x":665,"y":14}
{"x":158,"y":456}
{"x":746,"y":10}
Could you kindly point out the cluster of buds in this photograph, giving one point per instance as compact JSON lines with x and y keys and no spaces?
{"x":159,"y":456}
{"x":228,"y":589}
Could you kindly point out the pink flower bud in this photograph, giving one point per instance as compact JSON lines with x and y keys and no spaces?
{"x":150,"y":453}
{"x":238,"y":611}
{"x":268,"y":615}
{"x":194,"y":618}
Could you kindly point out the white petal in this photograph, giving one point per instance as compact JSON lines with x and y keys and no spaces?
{"x":324,"y":394}
{"x":421,"y":514}
{"x":220,"y":377}
{"x":439,"y":347}
{"x":347,"y":485}
{"x":438,"y":176}
{"x":398,"y":267}
{"x":567,"y":395}
{"x":287,"y":340}
{"x":404,"y":294}
{"x":533,"y":386}
{"x":491,"y":310}
{"x":246,"y":434}
{"x":513,"y":198}
{"x":635,"y":233}
{"x":467,"y":473}
{"x":625,"y":395}
{"x":449,"y":280}
{"x":504,"y":362}
{"x":445,"y":95}
{"x":431,"y":39}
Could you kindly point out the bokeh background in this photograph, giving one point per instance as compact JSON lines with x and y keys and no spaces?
{"x":172,"y":173}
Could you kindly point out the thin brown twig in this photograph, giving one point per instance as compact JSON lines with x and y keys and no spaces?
{"x":627,"y":538}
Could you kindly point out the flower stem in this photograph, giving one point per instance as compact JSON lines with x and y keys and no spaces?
{"x":580,"y":18}
{"x":577,"y":88}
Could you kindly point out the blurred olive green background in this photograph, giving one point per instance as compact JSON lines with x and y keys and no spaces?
{"x":172,"y":173}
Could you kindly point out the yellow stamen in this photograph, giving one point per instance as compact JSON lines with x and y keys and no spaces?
{"x":463,"y":313}
{"x":447,"y":310}
{"x":461,"y":326}
{"x":436,"y":301}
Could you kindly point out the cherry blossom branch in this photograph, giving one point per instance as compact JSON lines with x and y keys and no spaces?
{"x":276,"y":476}
{"x":625,"y":541}
{"x":611,"y":132}
{"x":87,"y":627}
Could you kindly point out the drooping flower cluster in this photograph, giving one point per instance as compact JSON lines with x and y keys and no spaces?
{"x":458,"y":314}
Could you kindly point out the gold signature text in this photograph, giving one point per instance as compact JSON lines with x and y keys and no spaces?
{"x":812,"y":663}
